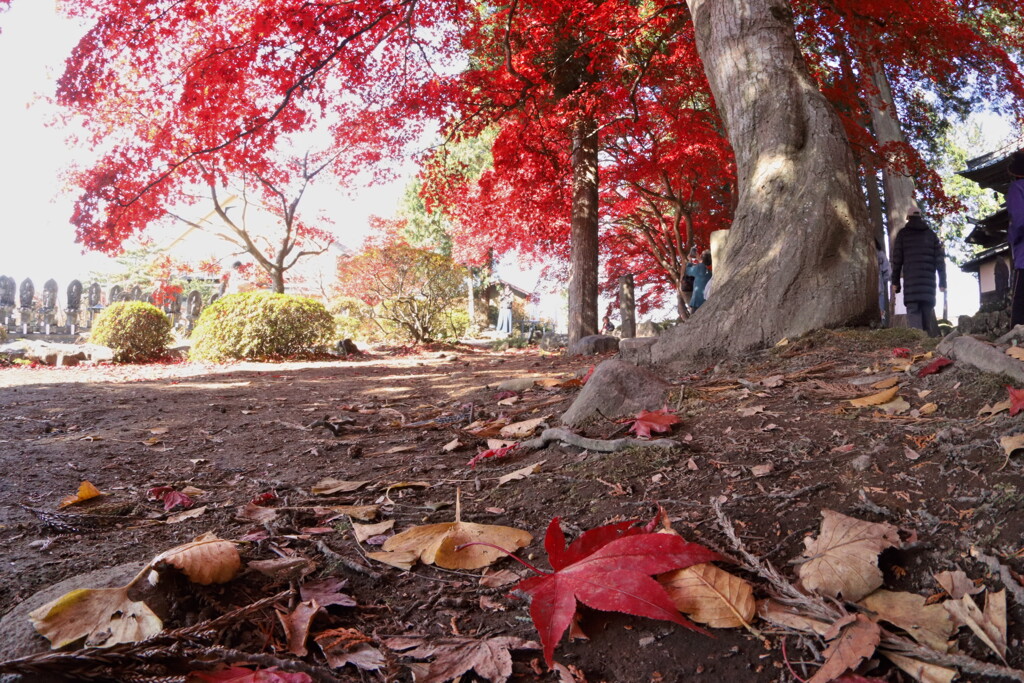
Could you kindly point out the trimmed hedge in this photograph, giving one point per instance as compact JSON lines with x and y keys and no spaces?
{"x":260,"y":325}
{"x":136,"y":331}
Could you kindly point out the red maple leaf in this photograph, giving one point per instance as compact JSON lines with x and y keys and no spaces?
{"x":607,"y":568}
{"x":900,"y":352}
{"x":491,"y":453}
{"x":169,"y":497}
{"x":1016,"y":400}
{"x":934,"y":366}
{"x":648,"y":421}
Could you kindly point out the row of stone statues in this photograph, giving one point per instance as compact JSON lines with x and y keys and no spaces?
{"x":42,"y":314}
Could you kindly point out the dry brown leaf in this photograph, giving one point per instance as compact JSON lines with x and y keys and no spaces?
{"x":925,"y":672}
{"x":366,"y":531}
{"x":928,"y":408}
{"x":103,"y":616}
{"x":520,"y":473}
{"x":296,"y":625}
{"x":1011,"y":443}
{"x":451,"y":445}
{"x":483,"y":429}
{"x":992,"y":633}
{"x":711,"y":596}
{"x":875,"y":399}
{"x":187,"y":514}
{"x":251,"y":512}
{"x":502,"y":577}
{"x":779,"y":615}
{"x":994,"y":409}
{"x":343,"y":646}
{"x":510,"y":401}
{"x":856,"y":642}
{"x":284,"y":568}
{"x":957,"y":584}
{"x":454,"y":656}
{"x":493,"y":444}
{"x":367,"y":513}
{"x":762,"y":470}
{"x":1015,"y":352}
{"x":751,"y":411}
{"x":402,"y":560}
{"x":328,"y":486}
{"x":205,"y":560}
{"x":436,"y":543}
{"x":897,"y":406}
{"x":518,"y":430}
{"x":886,"y":383}
{"x":843,"y":559}
{"x":86,"y":491}
{"x":929,"y":625}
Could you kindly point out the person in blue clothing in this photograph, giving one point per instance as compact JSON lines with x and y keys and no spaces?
{"x":1015,"y":234}
{"x":701,"y":273}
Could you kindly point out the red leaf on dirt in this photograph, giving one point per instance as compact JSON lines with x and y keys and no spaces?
{"x":238,"y":674}
{"x":934,"y":366}
{"x":608,"y":568}
{"x":901,"y":352}
{"x":1016,"y":400}
{"x":175,"y":499}
{"x":653,"y":421}
{"x":492,"y":453}
{"x":264,"y":498}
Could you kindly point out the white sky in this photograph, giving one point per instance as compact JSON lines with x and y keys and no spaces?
{"x":37,"y":240}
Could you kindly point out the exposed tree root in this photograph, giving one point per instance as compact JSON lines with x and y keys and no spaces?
{"x":599,"y":445}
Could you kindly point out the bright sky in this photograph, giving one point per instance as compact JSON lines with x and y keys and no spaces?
{"x":37,"y":240}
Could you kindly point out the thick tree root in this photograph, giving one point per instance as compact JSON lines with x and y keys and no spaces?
{"x":599,"y":445}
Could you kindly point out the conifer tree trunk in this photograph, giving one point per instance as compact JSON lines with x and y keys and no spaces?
{"x":583,"y":232}
{"x":799,"y":254}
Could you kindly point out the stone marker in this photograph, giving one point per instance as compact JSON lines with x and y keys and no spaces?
{"x":617,"y":389}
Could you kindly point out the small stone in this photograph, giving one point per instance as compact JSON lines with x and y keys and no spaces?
{"x":861,"y":463}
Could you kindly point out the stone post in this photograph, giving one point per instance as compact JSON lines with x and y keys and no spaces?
{"x":627,"y":306}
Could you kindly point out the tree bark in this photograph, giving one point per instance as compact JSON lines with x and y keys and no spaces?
{"x":583,"y":233}
{"x":899,"y":188}
{"x":799,"y":255}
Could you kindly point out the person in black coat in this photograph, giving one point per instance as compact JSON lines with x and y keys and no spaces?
{"x":917,"y":255}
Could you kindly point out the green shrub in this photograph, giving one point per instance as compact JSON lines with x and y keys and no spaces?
{"x":354,"y":320}
{"x":136,"y":331}
{"x":258,"y":325}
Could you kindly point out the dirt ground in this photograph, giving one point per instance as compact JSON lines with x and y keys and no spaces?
{"x":770,"y":439}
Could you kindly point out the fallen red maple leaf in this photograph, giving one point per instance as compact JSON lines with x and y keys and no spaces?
{"x":901,"y":352}
{"x":491,"y":453}
{"x":169,"y":497}
{"x":654,"y":421}
{"x":607,"y":568}
{"x":934,"y":366}
{"x":1016,"y":400}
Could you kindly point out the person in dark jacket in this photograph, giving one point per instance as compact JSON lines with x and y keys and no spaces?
{"x":917,"y":255}
{"x":1015,"y":234}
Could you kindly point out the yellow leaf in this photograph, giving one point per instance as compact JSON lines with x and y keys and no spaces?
{"x":521,"y":473}
{"x":365,"y":531}
{"x":711,"y":596}
{"x":86,"y":491}
{"x":925,"y":672}
{"x":187,"y":514}
{"x":994,"y":409}
{"x":1015,"y":352}
{"x":451,"y":445}
{"x":875,"y":399}
{"x":103,"y":616}
{"x":1011,"y":443}
{"x":206,"y":560}
{"x":928,"y":408}
{"x":328,"y":486}
{"x":886,"y":383}
{"x":521,"y":429}
{"x":402,"y":560}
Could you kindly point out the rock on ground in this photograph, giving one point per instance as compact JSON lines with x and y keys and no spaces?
{"x":617,"y":389}
{"x":594,"y":344}
{"x":981,"y":355}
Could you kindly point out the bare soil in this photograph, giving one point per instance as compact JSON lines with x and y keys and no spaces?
{"x":769,"y":437}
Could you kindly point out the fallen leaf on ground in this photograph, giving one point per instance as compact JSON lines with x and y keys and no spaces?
{"x":284,"y":568}
{"x":500,"y":443}
{"x":957,"y":584}
{"x":1015,"y":352}
{"x":491,"y":453}
{"x":518,"y":430}
{"x":103,"y":616}
{"x":343,"y":646}
{"x":929,"y":625}
{"x":296,"y":626}
{"x":751,"y":411}
{"x":711,"y":596}
{"x":483,"y":429}
{"x":925,"y":672}
{"x":648,"y":421}
{"x":328,"y":486}
{"x":327,"y":592}
{"x":854,"y":642}
{"x":762,"y":470}
{"x":897,"y":406}
{"x":366,"y":513}
{"x":994,"y":409}
{"x":1011,"y":443}
{"x":780,"y":615}
{"x":403,"y":560}
{"x":205,"y":561}
{"x":454,"y":656}
{"x":928,"y":408}
{"x":186,"y":514}
{"x":886,"y":383}
{"x":910,"y":453}
{"x":437,"y":543}
{"x":365,"y":531}
{"x":86,"y":491}
{"x":989,"y":626}
{"x":933,"y":367}
{"x":451,"y":446}
{"x":607,"y":568}
{"x":250,"y":512}
{"x":502,"y":577}
{"x":875,"y":399}
{"x":521,"y":473}
{"x":240,"y":674}
{"x":843,"y":559}
{"x":1016,"y":400}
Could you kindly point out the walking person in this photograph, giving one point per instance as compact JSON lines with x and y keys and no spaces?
{"x":1015,"y":234}
{"x":917,"y":255}
{"x":701,"y":273}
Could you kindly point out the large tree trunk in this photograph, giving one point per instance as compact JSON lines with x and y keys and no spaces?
{"x":899,"y":188}
{"x":583,"y":237}
{"x":799,"y":254}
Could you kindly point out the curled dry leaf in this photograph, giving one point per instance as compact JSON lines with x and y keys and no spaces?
{"x":1011,"y":443}
{"x":711,"y":596}
{"x":929,"y":625}
{"x":437,"y":543}
{"x":454,"y":656}
{"x":327,"y":592}
{"x":403,"y":560}
{"x":518,"y":430}
{"x":296,"y":625}
{"x":365,"y":531}
{"x":86,"y":491}
{"x":875,"y":399}
{"x":925,"y":672}
{"x":206,"y":560}
{"x":843,"y":559}
{"x":780,"y":615}
{"x":886,"y":383}
{"x":343,"y":646}
{"x":103,"y":616}
{"x":187,"y":514}
{"x":856,"y":641}
{"x":989,"y":626}
{"x":330,"y":486}
{"x":957,"y":584}
{"x":520,"y":473}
